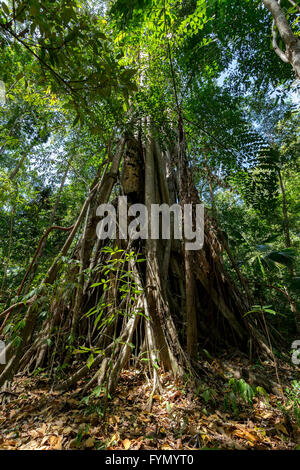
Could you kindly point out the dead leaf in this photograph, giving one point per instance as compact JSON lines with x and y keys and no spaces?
{"x":55,"y":442}
{"x":89,"y":443}
{"x":281,"y":428}
{"x":245,"y":435}
{"x":166,"y":447}
{"x":156,"y":397}
{"x":58,"y":445}
{"x":126,"y":443}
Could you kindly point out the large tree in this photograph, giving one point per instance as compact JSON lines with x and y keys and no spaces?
{"x":145,"y":88}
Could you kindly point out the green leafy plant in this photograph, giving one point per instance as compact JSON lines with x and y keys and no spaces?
{"x":262,"y":309}
{"x":293,"y":399}
{"x":207,"y":393}
{"x":238,"y":390}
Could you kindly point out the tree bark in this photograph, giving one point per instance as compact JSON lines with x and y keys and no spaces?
{"x":191,"y":313}
{"x":285,"y":213}
{"x":291,"y":41}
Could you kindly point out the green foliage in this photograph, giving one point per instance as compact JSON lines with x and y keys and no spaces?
{"x":291,"y":405}
{"x":116,"y":270}
{"x":293,"y":399}
{"x":120,"y":281}
{"x":263,"y":309}
{"x":208,"y":394}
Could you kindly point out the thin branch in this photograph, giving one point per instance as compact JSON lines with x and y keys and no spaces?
{"x":291,"y":41}
{"x":53,"y":72}
{"x":45,"y":236}
{"x":294,"y":4}
{"x":171,"y":63}
{"x":12,"y":307}
{"x":15,"y":171}
{"x":282,"y":24}
{"x":213,"y":137}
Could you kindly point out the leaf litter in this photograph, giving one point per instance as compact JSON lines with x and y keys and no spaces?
{"x":181,"y":418}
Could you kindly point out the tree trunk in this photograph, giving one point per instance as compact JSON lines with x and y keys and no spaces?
{"x":172,"y":281}
{"x":285,"y":213}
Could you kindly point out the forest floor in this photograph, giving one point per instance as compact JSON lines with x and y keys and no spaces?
{"x":216,"y":415}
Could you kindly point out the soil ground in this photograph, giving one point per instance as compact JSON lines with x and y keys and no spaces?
{"x":213,"y":415}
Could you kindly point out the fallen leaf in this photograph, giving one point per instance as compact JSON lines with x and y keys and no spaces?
{"x":166,"y":447}
{"x":245,"y":435}
{"x":281,"y":428}
{"x":89,"y":443}
{"x":126,"y":443}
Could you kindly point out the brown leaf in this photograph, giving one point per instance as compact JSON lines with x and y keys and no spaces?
{"x":89,"y":443}
{"x":55,"y":442}
{"x":156,"y":397}
{"x":58,"y":445}
{"x":179,"y":444}
{"x":281,"y":428}
{"x":245,"y":435}
{"x":166,"y":447}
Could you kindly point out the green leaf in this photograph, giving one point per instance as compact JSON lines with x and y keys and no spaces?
{"x":5,"y":8}
{"x":295,"y":283}
{"x":282,"y":257}
{"x":76,"y":120}
{"x":268,"y":310}
{"x":90,"y":361}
